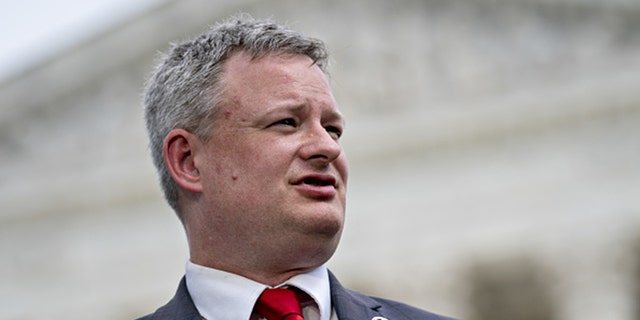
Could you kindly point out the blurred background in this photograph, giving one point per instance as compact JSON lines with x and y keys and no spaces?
{"x":494,"y":148}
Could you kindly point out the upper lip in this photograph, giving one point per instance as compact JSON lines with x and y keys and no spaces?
{"x":317,"y":179}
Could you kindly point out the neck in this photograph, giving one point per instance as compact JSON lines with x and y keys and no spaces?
{"x":268,"y":262}
{"x":261,"y":275}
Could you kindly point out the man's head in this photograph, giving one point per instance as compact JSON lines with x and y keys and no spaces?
{"x":185,"y":89}
{"x":253,"y":156}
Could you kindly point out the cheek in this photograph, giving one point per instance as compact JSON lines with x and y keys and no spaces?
{"x":222,"y":167}
{"x":270,"y":152}
{"x":251,"y":160}
{"x":258,"y":161}
{"x":342,"y":166}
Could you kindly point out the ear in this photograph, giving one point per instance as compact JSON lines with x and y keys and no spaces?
{"x":180,"y":148}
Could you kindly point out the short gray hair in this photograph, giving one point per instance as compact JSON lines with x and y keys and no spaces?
{"x":186,"y":86}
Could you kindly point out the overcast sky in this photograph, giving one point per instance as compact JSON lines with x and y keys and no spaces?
{"x":32,"y":30}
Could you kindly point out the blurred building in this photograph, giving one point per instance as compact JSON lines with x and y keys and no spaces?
{"x":481,"y":135}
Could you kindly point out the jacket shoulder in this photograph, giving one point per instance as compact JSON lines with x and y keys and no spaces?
{"x":395,"y":309}
{"x":179,"y":307}
{"x":351,"y":304}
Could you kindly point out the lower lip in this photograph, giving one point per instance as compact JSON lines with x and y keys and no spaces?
{"x":317,"y":192}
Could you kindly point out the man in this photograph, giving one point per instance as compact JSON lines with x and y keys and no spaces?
{"x":245,"y":132}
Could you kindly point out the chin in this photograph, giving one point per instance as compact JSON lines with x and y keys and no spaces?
{"x":321,"y":251}
{"x":326,"y":225}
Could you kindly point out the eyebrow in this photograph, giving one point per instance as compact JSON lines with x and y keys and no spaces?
{"x":333,"y":115}
{"x":338,"y":116}
{"x":290,"y":108}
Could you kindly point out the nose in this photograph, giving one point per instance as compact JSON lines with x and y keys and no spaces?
{"x":320,"y":146}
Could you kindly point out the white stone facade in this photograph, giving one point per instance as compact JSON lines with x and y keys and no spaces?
{"x":478,"y":131}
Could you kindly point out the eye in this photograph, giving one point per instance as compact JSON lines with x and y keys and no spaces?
{"x":334,"y":131}
{"x":286,"y":122}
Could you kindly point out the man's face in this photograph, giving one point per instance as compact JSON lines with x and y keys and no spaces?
{"x":274,"y":174}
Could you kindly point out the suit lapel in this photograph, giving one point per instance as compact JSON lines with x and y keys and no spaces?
{"x":351,"y":305}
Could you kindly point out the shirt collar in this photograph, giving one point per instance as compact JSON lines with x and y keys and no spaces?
{"x":222,"y":295}
{"x":316,"y":284}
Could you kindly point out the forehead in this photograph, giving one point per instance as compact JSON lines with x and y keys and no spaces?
{"x":275,"y":79}
{"x":241,"y":69}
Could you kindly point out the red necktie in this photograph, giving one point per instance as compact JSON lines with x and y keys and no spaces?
{"x":279,"y":304}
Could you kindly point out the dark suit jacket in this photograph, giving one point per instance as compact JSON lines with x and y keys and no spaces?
{"x":349,"y":305}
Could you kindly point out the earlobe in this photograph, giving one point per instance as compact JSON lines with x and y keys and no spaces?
{"x":180,"y":147}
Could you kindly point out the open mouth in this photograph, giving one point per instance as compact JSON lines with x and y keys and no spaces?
{"x":318,"y":180}
{"x":318,"y":186}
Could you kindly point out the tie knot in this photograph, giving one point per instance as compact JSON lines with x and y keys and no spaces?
{"x":279,"y":304}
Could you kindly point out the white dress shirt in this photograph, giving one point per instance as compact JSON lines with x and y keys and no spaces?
{"x":220,"y":295}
